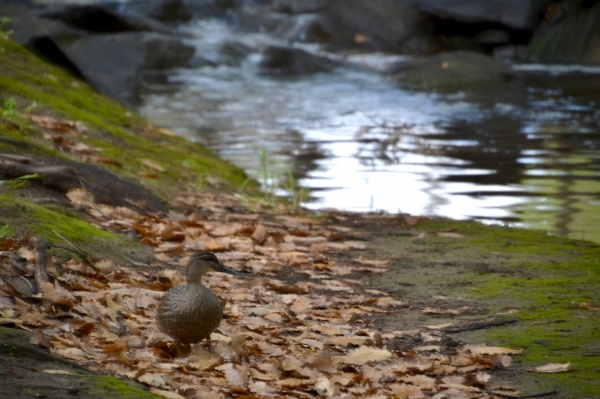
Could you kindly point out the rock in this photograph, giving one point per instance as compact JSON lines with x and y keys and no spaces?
{"x":232,"y":53}
{"x":260,"y":19}
{"x":301,"y":6}
{"x":170,"y":12}
{"x":450,"y":70}
{"x":303,"y":28}
{"x":212,"y":8}
{"x":291,"y":61}
{"x":25,"y":22}
{"x":494,"y":37}
{"x":100,"y":19}
{"x":510,"y":53}
{"x":115,"y":63}
{"x":377,"y":25}
{"x":515,"y":14}
{"x":58,"y":176}
{"x":166,"y":11}
{"x":571,"y":34}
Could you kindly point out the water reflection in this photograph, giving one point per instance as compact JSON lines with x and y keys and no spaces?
{"x":523,"y":152}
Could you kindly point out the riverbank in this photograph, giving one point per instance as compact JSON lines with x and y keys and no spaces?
{"x":409,"y":272}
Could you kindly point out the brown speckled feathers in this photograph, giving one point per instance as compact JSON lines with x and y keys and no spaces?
{"x":190,"y":313}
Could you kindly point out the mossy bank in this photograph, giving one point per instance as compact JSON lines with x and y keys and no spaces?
{"x":119,"y":140}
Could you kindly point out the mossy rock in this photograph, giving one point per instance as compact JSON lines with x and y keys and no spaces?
{"x":450,"y":70}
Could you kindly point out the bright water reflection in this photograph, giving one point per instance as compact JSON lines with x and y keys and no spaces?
{"x":522,"y":152}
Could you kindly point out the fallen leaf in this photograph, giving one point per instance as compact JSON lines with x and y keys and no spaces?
{"x":365,"y":354}
{"x":323,"y":387}
{"x":491,"y":350}
{"x":153,"y":379}
{"x":166,"y":394}
{"x":552,"y":368}
{"x":372,"y":262}
{"x":62,"y":372}
{"x":258,"y":237}
{"x":450,"y":235}
{"x":152,"y":165}
{"x":589,"y":306}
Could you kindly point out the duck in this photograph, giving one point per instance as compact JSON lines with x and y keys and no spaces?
{"x":190,"y":313}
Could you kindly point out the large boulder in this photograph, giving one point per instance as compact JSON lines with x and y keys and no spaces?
{"x":113,"y":52}
{"x":100,"y":19}
{"x":515,"y":14}
{"x":449,"y":71}
{"x":115,"y":64}
{"x":377,"y":25}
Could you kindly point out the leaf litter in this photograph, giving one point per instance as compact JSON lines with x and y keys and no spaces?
{"x":294,"y":338}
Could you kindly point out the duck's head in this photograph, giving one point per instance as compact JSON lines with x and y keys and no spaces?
{"x":202,"y":262}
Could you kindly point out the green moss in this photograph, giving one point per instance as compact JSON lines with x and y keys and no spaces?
{"x":546,"y":278}
{"x":46,"y":221}
{"x":110,"y":387}
{"x":118,"y":132}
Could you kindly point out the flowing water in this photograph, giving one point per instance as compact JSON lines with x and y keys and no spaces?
{"x":524,"y":152}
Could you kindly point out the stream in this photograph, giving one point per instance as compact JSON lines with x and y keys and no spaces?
{"x":521,"y":153}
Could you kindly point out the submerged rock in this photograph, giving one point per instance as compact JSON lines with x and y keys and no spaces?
{"x":292,"y":61}
{"x":450,"y":70}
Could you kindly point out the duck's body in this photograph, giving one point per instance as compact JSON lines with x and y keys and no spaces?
{"x":190,"y":313}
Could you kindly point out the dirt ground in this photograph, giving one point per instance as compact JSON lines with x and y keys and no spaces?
{"x":429,"y":275}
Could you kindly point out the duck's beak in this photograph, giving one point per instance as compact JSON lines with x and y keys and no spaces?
{"x":225,"y":269}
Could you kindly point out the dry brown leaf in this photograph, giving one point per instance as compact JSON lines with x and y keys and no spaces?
{"x":258,"y":387}
{"x":373,"y":262}
{"x":364,"y":355}
{"x":428,"y":348}
{"x":263,"y":376}
{"x":438,"y":326}
{"x":346,"y":341}
{"x":450,"y":235}
{"x":230,"y":229}
{"x":589,"y":306}
{"x":491,"y":350}
{"x":49,"y":292}
{"x":60,"y":126}
{"x":234,"y":377}
{"x":152,"y":165}
{"x":80,"y":196}
{"x":105,"y":266}
{"x":71,"y":353}
{"x":166,"y":394}
{"x":260,"y":232}
{"x":552,"y":368}
{"x":324,"y":387}
{"x":406,"y":391}
{"x":301,"y":305}
{"x":61,"y":372}
{"x":153,"y":379}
